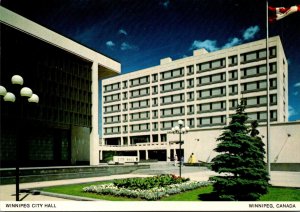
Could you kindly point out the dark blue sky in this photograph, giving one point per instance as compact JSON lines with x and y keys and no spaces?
{"x":138,"y":33}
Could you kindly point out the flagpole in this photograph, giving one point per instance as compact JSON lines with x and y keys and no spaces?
{"x":268,"y":89}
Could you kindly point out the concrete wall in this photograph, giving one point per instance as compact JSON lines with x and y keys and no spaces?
{"x":80,"y":145}
{"x":284,"y":142}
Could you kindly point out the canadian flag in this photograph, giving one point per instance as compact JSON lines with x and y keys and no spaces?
{"x":277,"y":13}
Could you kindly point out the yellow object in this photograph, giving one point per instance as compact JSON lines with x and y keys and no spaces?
{"x":192,"y":158}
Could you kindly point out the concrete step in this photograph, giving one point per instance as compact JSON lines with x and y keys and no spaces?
{"x":7,"y":176}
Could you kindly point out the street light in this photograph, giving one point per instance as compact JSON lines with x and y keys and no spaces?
{"x":179,"y":129}
{"x":10,"y":97}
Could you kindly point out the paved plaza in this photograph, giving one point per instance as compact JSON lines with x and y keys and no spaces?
{"x":7,"y":192}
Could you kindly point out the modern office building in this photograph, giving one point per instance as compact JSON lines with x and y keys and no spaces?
{"x":203,"y":90}
{"x":62,"y":129}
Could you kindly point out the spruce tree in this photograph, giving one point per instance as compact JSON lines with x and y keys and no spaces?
{"x":243,"y":175}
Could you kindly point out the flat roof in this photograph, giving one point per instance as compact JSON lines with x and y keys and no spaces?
{"x":107,"y":65}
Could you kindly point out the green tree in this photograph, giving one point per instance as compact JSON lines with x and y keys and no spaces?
{"x":243,"y":175}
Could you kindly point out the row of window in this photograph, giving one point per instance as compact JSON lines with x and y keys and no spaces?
{"x":203,"y":94}
{"x":200,"y":122}
{"x":205,"y":66}
{"x":215,"y":78}
{"x":190,"y":109}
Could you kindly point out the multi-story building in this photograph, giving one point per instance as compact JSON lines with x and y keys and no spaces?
{"x":62,"y":129}
{"x":203,"y":90}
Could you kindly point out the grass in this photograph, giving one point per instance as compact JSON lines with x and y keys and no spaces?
{"x":274,"y":194}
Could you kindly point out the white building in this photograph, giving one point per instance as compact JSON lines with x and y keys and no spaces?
{"x":203,"y":90}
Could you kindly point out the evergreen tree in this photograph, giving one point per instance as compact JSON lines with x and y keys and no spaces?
{"x":243,"y":174}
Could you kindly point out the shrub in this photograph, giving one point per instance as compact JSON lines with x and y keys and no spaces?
{"x":149,"y":182}
{"x":147,"y":194}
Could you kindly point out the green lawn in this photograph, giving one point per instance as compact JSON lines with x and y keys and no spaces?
{"x":275,"y":193}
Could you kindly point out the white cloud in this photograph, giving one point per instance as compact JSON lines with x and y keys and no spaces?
{"x":122,"y":31}
{"x":110,"y":44}
{"x":292,"y":111}
{"x":127,"y":46}
{"x":297,"y":84}
{"x":166,"y":3}
{"x":209,"y":45}
{"x":232,"y":42}
{"x":250,"y":32}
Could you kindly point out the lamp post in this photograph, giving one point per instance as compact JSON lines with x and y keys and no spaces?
{"x":10,"y":97}
{"x":180,"y":129}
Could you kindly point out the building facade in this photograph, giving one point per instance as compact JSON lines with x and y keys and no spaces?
{"x":140,"y":108}
{"x":62,"y":129}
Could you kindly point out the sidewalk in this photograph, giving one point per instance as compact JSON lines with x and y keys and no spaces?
{"x":278,"y":178}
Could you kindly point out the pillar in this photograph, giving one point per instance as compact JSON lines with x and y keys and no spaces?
{"x":94,"y":135}
{"x":147,"y":157}
{"x":168,"y":154}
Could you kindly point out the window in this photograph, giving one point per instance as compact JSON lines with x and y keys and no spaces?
{"x":273,"y":115}
{"x":214,"y":92}
{"x":273,"y":83}
{"x":124,"y":106}
{"x":190,"y":70}
{"x":172,"y":112}
{"x":204,"y":107}
{"x":139,"y":92}
{"x":154,"y":89}
{"x":272,"y":51}
{"x":139,"y":81}
{"x":140,"y":104}
{"x":191,"y":123}
{"x":154,"y":113}
{"x":220,"y":63}
{"x":140,"y":116}
{"x":214,"y":120}
{"x":233,"y":89}
{"x":204,"y":66}
{"x":112,"y":108}
{"x":233,"y":75}
{"x":125,"y":95}
{"x":205,"y":94}
{"x":172,"y":86}
{"x":190,"y":83}
{"x":254,"y":86}
{"x":154,"y":126}
{"x":140,"y":127}
{"x":233,"y":60}
{"x":154,"y":102}
{"x":112,"y":130}
{"x":190,"y":109}
{"x":124,"y":84}
{"x":273,"y":99}
{"x":154,"y":77}
{"x":143,"y":80}
{"x":214,"y":106}
{"x":205,"y":121}
{"x":190,"y":96}
{"x":112,"y":87}
{"x":212,"y":79}
{"x":253,"y":56}
{"x":273,"y":68}
{"x":233,"y":103}
{"x":172,"y":99}
{"x":172,"y":74}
